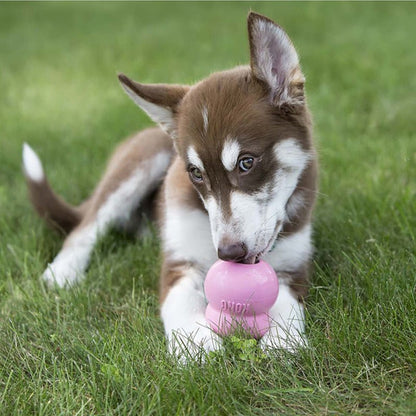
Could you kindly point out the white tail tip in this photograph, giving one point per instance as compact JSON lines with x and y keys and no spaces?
{"x":32,"y":165}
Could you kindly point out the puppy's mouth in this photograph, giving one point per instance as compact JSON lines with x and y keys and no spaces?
{"x":251,"y":259}
{"x":255,"y":258}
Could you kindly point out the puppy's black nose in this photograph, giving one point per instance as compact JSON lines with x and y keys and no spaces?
{"x":232,"y":252}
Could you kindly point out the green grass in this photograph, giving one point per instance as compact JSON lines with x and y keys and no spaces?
{"x":99,"y":348}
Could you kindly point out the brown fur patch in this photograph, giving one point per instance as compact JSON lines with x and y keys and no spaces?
{"x":170,"y":274}
{"x":52,"y":208}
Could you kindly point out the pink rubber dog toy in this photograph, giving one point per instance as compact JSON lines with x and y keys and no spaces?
{"x":240,"y":296}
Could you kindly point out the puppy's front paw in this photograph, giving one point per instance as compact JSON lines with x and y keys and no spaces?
{"x":277,"y":338}
{"x":193,"y":343}
{"x":61,"y":274}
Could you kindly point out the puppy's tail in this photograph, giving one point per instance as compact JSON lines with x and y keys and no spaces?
{"x":56,"y":212}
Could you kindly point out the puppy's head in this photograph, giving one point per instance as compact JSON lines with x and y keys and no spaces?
{"x":244,"y":136}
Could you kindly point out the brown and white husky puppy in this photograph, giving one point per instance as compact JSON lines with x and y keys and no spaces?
{"x":231,"y":173}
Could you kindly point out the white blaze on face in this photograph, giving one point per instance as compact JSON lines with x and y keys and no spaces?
{"x":257,"y":218}
{"x":230,"y":153}
{"x":216,"y":219}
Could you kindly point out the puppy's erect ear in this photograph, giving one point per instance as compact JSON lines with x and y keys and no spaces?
{"x":159,"y":101}
{"x":274,"y":60}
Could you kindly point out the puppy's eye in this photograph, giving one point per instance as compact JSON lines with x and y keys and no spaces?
{"x":246,"y":163}
{"x":196,"y":174}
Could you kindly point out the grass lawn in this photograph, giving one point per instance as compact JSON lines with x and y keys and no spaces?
{"x":99,"y":347}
